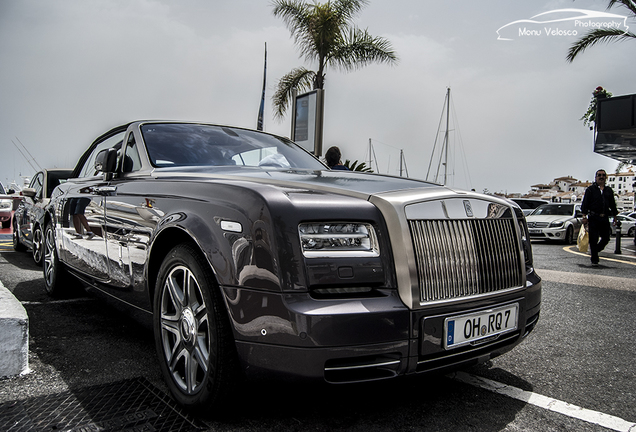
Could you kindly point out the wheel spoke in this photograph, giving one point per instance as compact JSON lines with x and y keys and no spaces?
{"x":175,"y":292}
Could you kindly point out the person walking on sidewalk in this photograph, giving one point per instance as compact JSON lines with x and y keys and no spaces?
{"x":597,"y":207}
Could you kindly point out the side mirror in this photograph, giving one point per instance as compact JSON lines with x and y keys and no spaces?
{"x":579,"y":214}
{"x":10,"y":191}
{"x":106,"y":161}
{"x":30,"y":192}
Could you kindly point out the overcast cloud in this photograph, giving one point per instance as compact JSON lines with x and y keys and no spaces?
{"x":72,"y":69}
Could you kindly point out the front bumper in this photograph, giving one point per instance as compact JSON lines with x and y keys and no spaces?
{"x":548,"y":233}
{"x":362,"y":339}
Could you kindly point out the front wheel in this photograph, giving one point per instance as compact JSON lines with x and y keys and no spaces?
{"x":192,"y":333}
{"x":569,"y":236}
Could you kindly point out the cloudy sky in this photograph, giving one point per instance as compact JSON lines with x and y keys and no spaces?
{"x":72,"y":69}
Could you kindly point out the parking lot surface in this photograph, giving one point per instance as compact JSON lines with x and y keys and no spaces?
{"x":92,"y":368}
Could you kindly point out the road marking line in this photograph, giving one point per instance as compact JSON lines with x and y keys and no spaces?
{"x":595,"y":417}
{"x":570,"y":249}
{"x":587,"y":279}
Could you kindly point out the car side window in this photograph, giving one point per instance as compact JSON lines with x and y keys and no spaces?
{"x":132,"y":162}
{"x":88,"y":169}
{"x":36,"y":184}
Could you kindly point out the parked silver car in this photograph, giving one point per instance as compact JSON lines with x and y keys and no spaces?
{"x":555,"y":221}
{"x":27,"y":221}
{"x":628,"y":226}
{"x":6,"y":205}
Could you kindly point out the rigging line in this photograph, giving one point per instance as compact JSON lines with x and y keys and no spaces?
{"x":388,"y":145}
{"x":461,"y":147}
{"x":25,"y":158}
{"x":377,"y":168}
{"x":435,"y":142}
{"x":27,"y":150}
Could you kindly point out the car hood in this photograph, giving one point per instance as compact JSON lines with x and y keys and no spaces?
{"x":342,"y":182}
{"x":547,"y":218}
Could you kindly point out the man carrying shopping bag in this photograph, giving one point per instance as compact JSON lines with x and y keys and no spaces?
{"x":597,"y":207}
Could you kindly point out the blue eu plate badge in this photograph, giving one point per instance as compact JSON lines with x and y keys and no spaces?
{"x":451,"y":333}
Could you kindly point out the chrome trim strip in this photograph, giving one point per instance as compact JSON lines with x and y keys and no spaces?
{"x":388,"y":363}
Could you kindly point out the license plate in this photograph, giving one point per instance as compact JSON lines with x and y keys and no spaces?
{"x":535,"y":231}
{"x":470,"y":328}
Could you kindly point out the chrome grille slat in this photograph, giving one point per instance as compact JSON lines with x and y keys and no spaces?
{"x":461,"y":258}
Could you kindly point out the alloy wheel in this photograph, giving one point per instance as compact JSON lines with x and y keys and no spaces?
{"x":37,"y":245}
{"x":49,"y":258}
{"x":185,"y":330}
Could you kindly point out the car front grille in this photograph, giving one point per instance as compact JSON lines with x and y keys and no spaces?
{"x":538,"y":224}
{"x":462,"y":258}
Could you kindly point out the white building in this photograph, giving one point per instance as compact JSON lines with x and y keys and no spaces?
{"x":624,"y":185}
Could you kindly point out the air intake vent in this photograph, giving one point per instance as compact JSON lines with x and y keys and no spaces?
{"x":461,"y":258}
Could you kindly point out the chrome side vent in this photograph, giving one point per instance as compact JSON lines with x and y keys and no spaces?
{"x":462,"y":258}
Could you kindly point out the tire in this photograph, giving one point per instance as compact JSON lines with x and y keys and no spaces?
{"x":192,"y":332}
{"x":6,"y":224}
{"x":36,"y":247}
{"x":17,"y":245}
{"x":630,"y":233}
{"x":569,"y":236}
{"x":57,"y":281}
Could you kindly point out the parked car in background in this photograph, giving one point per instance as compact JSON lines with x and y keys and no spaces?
{"x":249,"y":257}
{"x":628,"y":226}
{"x":555,"y":221}
{"x":529,"y":204}
{"x":27,"y":220}
{"x":6,"y":207}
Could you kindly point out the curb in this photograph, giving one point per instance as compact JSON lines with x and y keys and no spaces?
{"x":14,"y":335}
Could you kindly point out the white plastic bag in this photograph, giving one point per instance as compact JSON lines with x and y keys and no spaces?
{"x":583,"y":240}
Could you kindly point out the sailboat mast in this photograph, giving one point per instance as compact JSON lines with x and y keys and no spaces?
{"x":446,"y":134}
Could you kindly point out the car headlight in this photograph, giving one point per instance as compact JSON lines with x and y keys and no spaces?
{"x":338,"y":239}
{"x":556,"y":224}
{"x":6,"y":204}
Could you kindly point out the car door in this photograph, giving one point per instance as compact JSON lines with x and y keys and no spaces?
{"x":130,"y":219}
{"x":82,"y":233}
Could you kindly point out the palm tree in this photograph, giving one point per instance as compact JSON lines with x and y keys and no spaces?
{"x":603,"y":35}
{"x":357,"y":166}
{"x":325,"y":34}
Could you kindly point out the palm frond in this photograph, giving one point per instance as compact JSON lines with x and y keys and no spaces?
{"x":359,"y":49}
{"x":629,"y":4}
{"x":295,"y":14}
{"x":595,"y":37}
{"x":300,"y":79}
{"x":357,"y":166}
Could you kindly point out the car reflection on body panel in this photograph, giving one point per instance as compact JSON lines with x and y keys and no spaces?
{"x":249,"y":257}
{"x":555,"y":222}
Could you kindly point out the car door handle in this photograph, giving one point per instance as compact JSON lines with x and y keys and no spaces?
{"x":105,"y":190}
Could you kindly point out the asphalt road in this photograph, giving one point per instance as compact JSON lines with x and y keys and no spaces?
{"x":575,"y":372}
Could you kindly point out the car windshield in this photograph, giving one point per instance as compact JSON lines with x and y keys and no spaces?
{"x":2,"y":192}
{"x":173,"y":145}
{"x":554,"y":210}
